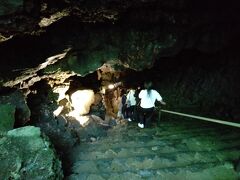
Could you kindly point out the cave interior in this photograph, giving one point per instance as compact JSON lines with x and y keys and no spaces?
{"x":58,"y":60}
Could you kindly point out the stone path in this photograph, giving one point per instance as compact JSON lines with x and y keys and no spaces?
{"x":172,"y":150}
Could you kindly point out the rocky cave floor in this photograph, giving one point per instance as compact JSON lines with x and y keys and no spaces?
{"x":172,"y":149}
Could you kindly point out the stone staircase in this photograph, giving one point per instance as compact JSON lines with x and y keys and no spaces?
{"x":172,"y":150}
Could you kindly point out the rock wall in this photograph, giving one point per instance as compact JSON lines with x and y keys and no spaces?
{"x":14,"y":107}
{"x":7,"y":112}
{"x":201,"y":84}
{"x":26,"y":154}
{"x":133,"y":32}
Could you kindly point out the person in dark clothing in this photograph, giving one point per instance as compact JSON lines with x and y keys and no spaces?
{"x":122,"y":109}
{"x":124,"y":106}
{"x":137,"y":108}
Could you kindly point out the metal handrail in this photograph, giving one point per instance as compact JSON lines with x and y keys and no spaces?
{"x":200,"y":118}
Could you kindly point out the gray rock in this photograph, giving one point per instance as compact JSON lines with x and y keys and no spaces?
{"x":95,"y":128}
{"x":26,"y":154}
{"x":7,"y":112}
{"x":17,"y":99}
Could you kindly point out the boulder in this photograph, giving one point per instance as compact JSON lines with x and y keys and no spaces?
{"x":17,"y":99}
{"x":94,"y":128}
{"x":7,"y":119}
{"x":26,"y":154}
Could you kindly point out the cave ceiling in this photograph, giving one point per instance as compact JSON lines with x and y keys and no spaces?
{"x":40,"y":38}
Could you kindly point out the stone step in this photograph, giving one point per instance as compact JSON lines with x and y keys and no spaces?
{"x":136,"y":135}
{"x":149,"y":150}
{"x":159,"y":161}
{"x":215,"y":171}
{"x":205,"y":139}
{"x":175,"y":125}
{"x":208,"y":135}
{"x":169,"y":151}
{"x":158,"y":132}
{"x":141,"y":140}
{"x":134,"y":128}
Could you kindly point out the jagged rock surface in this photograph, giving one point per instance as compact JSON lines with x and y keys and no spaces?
{"x":42,"y":106}
{"x":25,"y":154}
{"x":20,"y":111}
{"x":134,"y":32}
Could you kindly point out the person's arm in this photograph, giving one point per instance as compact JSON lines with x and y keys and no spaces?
{"x":128,"y":99}
{"x":159,"y":103}
{"x":140,"y":94}
{"x":162,"y":102}
{"x":160,"y":99}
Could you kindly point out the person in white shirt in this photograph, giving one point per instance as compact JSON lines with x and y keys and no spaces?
{"x":148,"y":97}
{"x":131,"y":104}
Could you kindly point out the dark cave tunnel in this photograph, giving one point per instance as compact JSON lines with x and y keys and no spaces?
{"x":190,"y":56}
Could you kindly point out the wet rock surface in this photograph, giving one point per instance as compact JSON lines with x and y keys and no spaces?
{"x":26,"y":154}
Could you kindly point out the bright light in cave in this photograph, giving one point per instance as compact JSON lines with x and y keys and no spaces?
{"x":83,"y":120}
{"x":110,"y":86}
{"x":61,"y":91}
{"x":58,"y":111}
{"x":81,"y":102}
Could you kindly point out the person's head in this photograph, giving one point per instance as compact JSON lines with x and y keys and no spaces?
{"x":123,"y":91}
{"x":148,"y":85}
